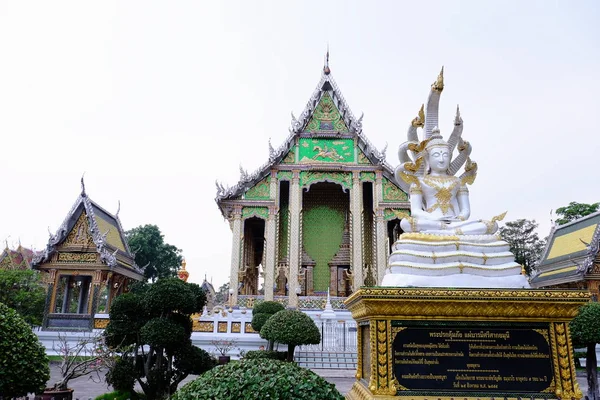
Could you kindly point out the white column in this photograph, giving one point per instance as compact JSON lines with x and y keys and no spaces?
{"x":381,"y":251}
{"x":271,"y":237}
{"x":271,"y":246}
{"x":235,"y":255}
{"x":356,"y":208}
{"x":294,"y":244}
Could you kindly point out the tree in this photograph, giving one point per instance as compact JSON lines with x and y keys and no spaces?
{"x":261,"y":313}
{"x":160,"y":259}
{"x":585,"y":331}
{"x":291,"y":327}
{"x":23,"y":362}
{"x":151,"y":328}
{"x":524,"y":242}
{"x":22,"y":291}
{"x":259,"y":379}
{"x":222,"y":294}
{"x":575,"y":211}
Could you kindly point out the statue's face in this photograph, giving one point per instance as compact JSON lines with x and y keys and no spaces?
{"x":439,"y":158}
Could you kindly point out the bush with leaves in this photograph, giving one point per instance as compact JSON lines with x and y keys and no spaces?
{"x":266,"y":355}
{"x":585,"y":332}
{"x":120,"y":395}
{"x":151,"y":329}
{"x":258,"y":379}
{"x":23,"y":362}
{"x":261,"y":313}
{"x":291,"y":327}
{"x":22,"y":291}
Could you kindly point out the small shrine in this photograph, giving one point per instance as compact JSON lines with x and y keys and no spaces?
{"x":571,"y":259}
{"x":19,"y":258}
{"x":85,"y":265}
{"x":319,"y":216}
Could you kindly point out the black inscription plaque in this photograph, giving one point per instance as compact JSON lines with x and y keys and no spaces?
{"x":463,"y":358}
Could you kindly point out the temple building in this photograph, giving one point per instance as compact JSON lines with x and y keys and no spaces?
{"x":571,"y":259}
{"x":85,"y":265}
{"x":20,"y":258}
{"x":319,"y":215}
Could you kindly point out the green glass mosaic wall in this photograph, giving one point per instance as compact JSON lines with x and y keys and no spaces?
{"x":260,"y":191}
{"x":324,"y":212}
{"x":326,"y":150}
{"x":391,"y":192}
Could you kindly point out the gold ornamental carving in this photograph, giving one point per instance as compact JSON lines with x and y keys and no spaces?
{"x":80,"y":234}
{"x":203,"y":326}
{"x":87,"y":258}
{"x":101,"y":323}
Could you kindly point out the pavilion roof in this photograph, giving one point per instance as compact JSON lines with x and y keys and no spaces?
{"x":19,"y":258}
{"x":571,"y":251}
{"x":104,"y":229}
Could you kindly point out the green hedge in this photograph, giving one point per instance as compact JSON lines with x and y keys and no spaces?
{"x":118,"y":395}
{"x":266,"y":355}
{"x":258,"y":379}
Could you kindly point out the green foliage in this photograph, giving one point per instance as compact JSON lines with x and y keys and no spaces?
{"x":157,"y":318}
{"x":267,"y":307}
{"x":266,"y":355}
{"x":23,"y":362}
{"x":222,"y":294}
{"x":575,"y":211}
{"x":122,"y":376}
{"x":524,"y":242}
{"x":261,"y":313}
{"x":22,"y":291}
{"x":585,"y":327}
{"x":291,"y":327}
{"x":259,"y":379}
{"x":120,"y":395}
{"x":160,"y":259}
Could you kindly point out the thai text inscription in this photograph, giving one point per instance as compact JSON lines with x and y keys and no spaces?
{"x":473,"y":359}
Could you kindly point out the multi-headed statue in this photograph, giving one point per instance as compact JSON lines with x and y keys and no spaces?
{"x":441,"y":246}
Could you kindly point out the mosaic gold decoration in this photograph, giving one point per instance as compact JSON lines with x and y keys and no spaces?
{"x":77,"y":257}
{"x":80,"y":235}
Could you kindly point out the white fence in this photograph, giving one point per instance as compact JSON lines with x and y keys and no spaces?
{"x":336,"y":336}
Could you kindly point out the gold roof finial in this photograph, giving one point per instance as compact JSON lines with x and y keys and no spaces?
{"x":182,"y":273}
{"x":438,"y":85}
{"x":419,"y":120}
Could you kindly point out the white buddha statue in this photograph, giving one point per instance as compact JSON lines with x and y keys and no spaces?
{"x":440,"y":246}
{"x":439,"y":202}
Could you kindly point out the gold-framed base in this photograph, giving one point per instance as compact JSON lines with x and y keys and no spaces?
{"x":377,"y":309}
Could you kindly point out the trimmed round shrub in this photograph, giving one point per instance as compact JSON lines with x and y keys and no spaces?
{"x":293,"y":328}
{"x":121,"y":376}
{"x":266,"y":355}
{"x":267,"y":307}
{"x":258,"y":379}
{"x":23,"y":362}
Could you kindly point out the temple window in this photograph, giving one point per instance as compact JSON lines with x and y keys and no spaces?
{"x":72,"y":294}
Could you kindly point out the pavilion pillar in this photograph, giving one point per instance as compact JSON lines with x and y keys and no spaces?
{"x":294,"y":243}
{"x":271,"y":237}
{"x":271,"y":246}
{"x":381,"y":249}
{"x":235,"y":255}
{"x":356,"y":209}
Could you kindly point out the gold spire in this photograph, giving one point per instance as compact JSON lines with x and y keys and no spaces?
{"x":438,"y":85}
{"x":182,"y":273}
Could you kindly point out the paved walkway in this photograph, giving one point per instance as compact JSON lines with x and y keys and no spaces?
{"x":89,"y":387}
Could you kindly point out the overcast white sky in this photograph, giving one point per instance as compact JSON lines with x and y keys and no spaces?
{"x":156,"y":100}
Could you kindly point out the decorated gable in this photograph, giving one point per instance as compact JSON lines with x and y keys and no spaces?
{"x":80,"y":233}
{"x":326,"y":117}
